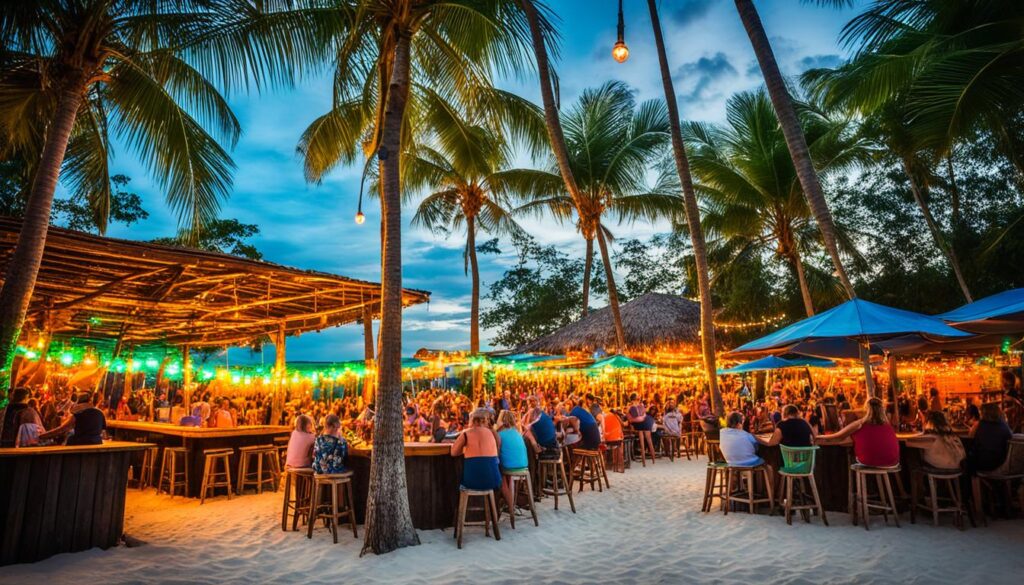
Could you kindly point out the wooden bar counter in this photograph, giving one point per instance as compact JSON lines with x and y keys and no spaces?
{"x":62,"y":499}
{"x":432,"y":479}
{"x":195,"y":440}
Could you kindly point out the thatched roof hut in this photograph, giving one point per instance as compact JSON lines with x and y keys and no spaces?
{"x":650,"y":320}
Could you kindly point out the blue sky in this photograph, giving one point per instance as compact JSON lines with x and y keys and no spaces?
{"x":311,"y":226}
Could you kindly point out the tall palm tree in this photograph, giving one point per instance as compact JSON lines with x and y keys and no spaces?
{"x":73,"y":72}
{"x":753,"y":196}
{"x":611,"y":140}
{"x":388,"y":49}
{"x":692,"y":215}
{"x":461,"y":170}
{"x":796,"y":142}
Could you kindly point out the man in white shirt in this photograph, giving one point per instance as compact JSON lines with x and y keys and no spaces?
{"x":738,"y":446}
{"x":673,"y":419}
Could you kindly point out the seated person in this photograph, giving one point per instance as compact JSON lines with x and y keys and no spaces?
{"x":874,"y":440}
{"x":672,"y":420}
{"x":991,"y":439}
{"x":738,"y":446}
{"x":30,"y":426}
{"x":638,"y":416}
{"x":590,"y":432}
{"x":86,"y":423}
{"x":200,"y":413}
{"x":19,"y":403}
{"x":300,"y":443}
{"x":330,"y":449}
{"x":540,"y":429}
{"x":511,"y":453}
{"x":479,"y":444}
{"x":940,"y":447}
{"x":224,"y":416}
{"x":792,"y":430}
{"x":611,"y":426}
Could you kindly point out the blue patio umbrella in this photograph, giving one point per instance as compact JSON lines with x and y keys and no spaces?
{"x":776,"y":363}
{"x":618,"y":362}
{"x":806,"y":361}
{"x":1001,"y":313}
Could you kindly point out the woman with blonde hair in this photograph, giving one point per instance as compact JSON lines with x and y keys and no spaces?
{"x":511,"y":454}
{"x":874,"y":440}
{"x":479,"y":444}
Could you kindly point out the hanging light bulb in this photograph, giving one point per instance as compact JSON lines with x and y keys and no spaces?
{"x":620,"y":52}
{"x":360,"y":217}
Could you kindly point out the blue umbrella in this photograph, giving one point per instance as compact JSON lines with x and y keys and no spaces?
{"x":776,"y":363}
{"x":1000,"y":313}
{"x":618,"y":362}
{"x":806,"y":361}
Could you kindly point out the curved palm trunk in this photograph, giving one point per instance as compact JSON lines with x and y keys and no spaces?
{"x":388,"y":521}
{"x":805,"y":291}
{"x":795,"y":140}
{"x":20,"y":280}
{"x":933,"y":227}
{"x":588,"y":262}
{"x":707,"y":313}
{"x":613,"y":295}
{"x":547,"y":94}
{"x":474,"y":303}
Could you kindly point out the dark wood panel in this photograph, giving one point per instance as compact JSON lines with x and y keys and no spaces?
{"x":19,"y":479}
{"x":48,"y":524}
{"x":432,"y":483}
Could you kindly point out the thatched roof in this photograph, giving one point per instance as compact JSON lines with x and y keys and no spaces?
{"x":648,"y":320}
{"x":103,"y":288}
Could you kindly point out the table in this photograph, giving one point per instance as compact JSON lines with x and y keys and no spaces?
{"x":432,"y":478}
{"x":195,"y":440}
{"x":62,"y":499}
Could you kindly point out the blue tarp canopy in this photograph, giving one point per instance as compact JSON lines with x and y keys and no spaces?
{"x":1001,"y":313}
{"x":618,"y":362}
{"x":776,"y":363}
{"x":839,"y":331}
{"x":524,"y":358}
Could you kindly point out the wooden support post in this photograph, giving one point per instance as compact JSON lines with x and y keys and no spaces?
{"x":369,"y":374}
{"x":277,"y":404}
{"x":186,"y":377}
{"x":894,"y":385}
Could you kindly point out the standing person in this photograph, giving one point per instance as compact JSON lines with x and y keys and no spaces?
{"x":224,"y":416}
{"x":86,"y":423}
{"x":874,"y":440}
{"x":672,"y":420}
{"x":792,"y":430}
{"x":19,"y":402}
{"x":330,"y":449}
{"x":479,"y":444}
{"x":300,"y":443}
{"x":511,"y":454}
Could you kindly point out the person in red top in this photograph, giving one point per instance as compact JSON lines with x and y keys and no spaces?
{"x":874,"y":440}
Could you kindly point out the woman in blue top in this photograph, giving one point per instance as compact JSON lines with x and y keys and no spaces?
{"x":330,"y":449}
{"x":511,"y":454}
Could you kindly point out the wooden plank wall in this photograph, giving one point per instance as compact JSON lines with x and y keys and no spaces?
{"x":56,"y":503}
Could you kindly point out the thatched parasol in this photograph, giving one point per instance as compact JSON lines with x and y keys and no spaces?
{"x":648,"y":320}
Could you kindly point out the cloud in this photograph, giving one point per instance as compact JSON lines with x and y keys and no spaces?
{"x":704,"y":75}
{"x":819,"y":62}
{"x":690,"y":11}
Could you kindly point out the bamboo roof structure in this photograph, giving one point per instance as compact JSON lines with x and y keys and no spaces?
{"x":140,"y":293}
{"x":648,"y":320}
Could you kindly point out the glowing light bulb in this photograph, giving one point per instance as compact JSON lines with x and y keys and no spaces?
{"x":360,"y":218}
{"x":620,"y":52}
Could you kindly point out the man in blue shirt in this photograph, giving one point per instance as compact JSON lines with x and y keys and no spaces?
{"x":589,"y":429}
{"x":539,"y":429}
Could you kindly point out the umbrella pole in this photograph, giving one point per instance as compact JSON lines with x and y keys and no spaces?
{"x":895,"y":385}
{"x":865,"y":357}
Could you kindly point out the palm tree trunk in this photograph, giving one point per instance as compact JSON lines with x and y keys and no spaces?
{"x":613,"y":295}
{"x":20,"y":280}
{"x":805,"y":292}
{"x":588,"y":262}
{"x":700,"y":254}
{"x":954,"y":193}
{"x":795,"y":140}
{"x":474,"y":303}
{"x":547,"y":94}
{"x":936,"y":232}
{"x":388,"y":521}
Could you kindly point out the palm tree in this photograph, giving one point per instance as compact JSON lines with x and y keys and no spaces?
{"x":753,"y":196}
{"x":462,"y":170}
{"x":611,"y":140}
{"x":692,"y":215}
{"x":386,"y":52}
{"x":796,"y":142}
{"x":72,"y":72}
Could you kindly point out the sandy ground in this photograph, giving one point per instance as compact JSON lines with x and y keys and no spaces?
{"x":646,"y":529}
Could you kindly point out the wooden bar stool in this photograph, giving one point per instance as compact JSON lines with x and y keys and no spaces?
{"x":170,"y":476}
{"x":554,"y":470}
{"x":646,"y":446}
{"x":588,"y":468}
{"x":146,"y":470}
{"x":747,"y":474}
{"x":214,"y":478}
{"x":952,"y":503}
{"x":341,"y":504}
{"x":628,"y":446}
{"x":798,"y":469}
{"x":298,"y":488}
{"x":490,"y":510}
{"x":281,"y":445}
{"x":253,"y":472}
{"x":615,"y":455}
{"x":861,"y":498}
{"x":670,"y":446}
{"x":714,"y":481}
{"x":520,"y":483}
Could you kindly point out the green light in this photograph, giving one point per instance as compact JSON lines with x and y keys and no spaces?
{"x":1005,"y":348}
{"x":173,"y":369}
{"x":29,"y":354}
{"x":66,"y":358}
{"x":236,"y":379}
{"x":151,"y":363}
{"x":207,"y":374}
{"x":95,"y":320}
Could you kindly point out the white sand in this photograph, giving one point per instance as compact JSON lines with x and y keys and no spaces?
{"x":647,"y":529}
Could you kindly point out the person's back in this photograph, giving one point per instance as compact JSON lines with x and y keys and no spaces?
{"x":588,"y":427}
{"x":89,"y":425}
{"x":512,"y":455}
{"x":544,"y":431}
{"x":738,"y":446}
{"x":876,"y":445}
{"x":796,"y":432}
{"x":991,"y":444}
{"x":300,"y":449}
{"x":612,"y":427}
{"x":223,"y":419}
{"x":480,"y":443}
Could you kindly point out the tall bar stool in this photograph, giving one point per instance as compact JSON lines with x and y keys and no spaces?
{"x":281,"y":445}
{"x":588,"y":468}
{"x":490,"y":510}
{"x":170,"y":475}
{"x":646,"y":446}
{"x":148,"y":467}
{"x":340,"y":505}
{"x":253,"y":472}
{"x":213,"y":477}
{"x":670,"y":447}
{"x":951,"y":503}
{"x":714,"y":481}
{"x":798,"y":469}
{"x":863,"y":504}
{"x":298,"y":488}
{"x":628,"y":446}
{"x":749,"y":497}
{"x":553,"y":470}
{"x":615,"y":455}
{"x":520,"y":483}
{"x":986,"y":481}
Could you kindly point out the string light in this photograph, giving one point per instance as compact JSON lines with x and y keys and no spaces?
{"x":620,"y":52}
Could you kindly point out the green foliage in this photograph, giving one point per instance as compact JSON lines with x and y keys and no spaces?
{"x":655,"y":265}
{"x":227,"y":236}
